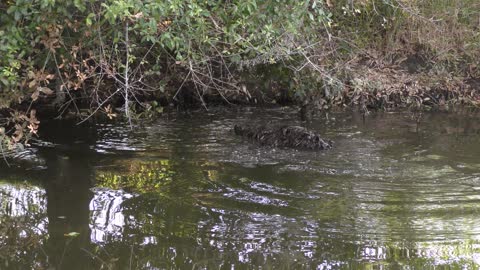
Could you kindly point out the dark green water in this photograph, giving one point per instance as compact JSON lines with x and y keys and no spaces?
{"x":185,"y":193}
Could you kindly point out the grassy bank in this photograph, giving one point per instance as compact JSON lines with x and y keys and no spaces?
{"x":135,"y":58}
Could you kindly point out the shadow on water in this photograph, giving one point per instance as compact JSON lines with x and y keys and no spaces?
{"x":184,"y":192}
{"x":61,"y":188}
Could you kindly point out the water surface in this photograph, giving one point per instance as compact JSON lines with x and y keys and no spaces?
{"x":183,"y":192}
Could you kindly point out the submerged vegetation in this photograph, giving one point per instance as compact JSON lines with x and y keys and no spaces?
{"x":132,"y":58}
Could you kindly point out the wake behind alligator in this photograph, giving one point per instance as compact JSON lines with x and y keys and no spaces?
{"x":284,"y":136}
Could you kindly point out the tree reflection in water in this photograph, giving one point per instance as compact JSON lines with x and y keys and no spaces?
{"x":385,"y":197}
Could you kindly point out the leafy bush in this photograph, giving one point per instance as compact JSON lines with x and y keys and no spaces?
{"x":73,"y":54}
{"x":75,"y":39}
{"x":103,"y":54}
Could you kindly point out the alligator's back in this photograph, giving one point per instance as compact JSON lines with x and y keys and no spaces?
{"x":284,"y":136}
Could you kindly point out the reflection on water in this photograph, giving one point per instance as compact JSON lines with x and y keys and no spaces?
{"x":107,"y":219}
{"x":183,"y":192}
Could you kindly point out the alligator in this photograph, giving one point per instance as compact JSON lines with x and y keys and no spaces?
{"x":284,"y":136}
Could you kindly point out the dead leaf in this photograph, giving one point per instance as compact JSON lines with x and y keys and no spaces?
{"x":47,"y":91}
{"x":18,"y":134}
{"x":138,"y":15}
{"x":32,"y":84}
{"x":109,"y":112}
{"x":33,"y":128}
{"x":35,"y":95}
{"x":33,"y":117}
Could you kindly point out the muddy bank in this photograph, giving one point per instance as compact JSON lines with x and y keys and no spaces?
{"x":365,"y":89}
{"x":362,"y":87}
{"x":388,"y":88}
{"x":358,"y":87}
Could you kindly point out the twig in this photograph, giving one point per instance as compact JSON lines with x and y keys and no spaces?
{"x":3,"y":153}
{"x":96,"y":257}
{"x":99,"y":106}
{"x":127,"y":107}
{"x":181,"y":85}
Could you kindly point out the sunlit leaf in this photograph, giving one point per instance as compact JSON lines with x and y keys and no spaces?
{"x":72,"y":234}
{"x":47,"y":91}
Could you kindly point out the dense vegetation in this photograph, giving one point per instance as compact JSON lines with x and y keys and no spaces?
{"x":90,"y":57}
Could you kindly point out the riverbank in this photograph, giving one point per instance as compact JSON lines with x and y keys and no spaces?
{"x":389,"y":88}
{"x":121,"y":59}
{"x":365,"y":89}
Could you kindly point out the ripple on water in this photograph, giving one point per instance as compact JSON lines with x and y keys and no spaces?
{"x":387,"y":195}
{"x":379,"y":192}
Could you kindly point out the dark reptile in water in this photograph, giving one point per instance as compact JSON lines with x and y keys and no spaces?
{"x":284,"y":136}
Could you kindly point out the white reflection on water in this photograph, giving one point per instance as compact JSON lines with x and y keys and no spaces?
{"x":107,"y":224}
{"x":106,"y":218}
{"x":30,"y":202}
{"x":21,"y":200}
{"x":115,"y":138}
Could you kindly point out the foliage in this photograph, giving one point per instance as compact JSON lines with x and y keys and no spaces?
{"x":102,"y":54}
{"x":107,"y":54}
{"x":72,"y":39}
{"x":441,"y":34}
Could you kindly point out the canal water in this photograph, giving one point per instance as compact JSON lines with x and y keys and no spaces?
{"x":397,"y":191}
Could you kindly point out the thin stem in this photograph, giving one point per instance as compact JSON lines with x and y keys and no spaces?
{"x":127,"y":107}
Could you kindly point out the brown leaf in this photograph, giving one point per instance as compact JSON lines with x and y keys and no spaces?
{"x":33,"y":129}
{"x":47,"y":91}
{"x":33,"y":119}
{"x":32,"y":84}
{"x":35,"y":95}
{"x":18,"y":134}
{"x":138,"y":15}
{"x":31,"y":75}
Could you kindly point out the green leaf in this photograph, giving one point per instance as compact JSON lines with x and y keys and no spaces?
{"x":11,"y":9}
{"x":17,"y":15}
{"x":88,"y":20}
{"x":79,"y":4}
